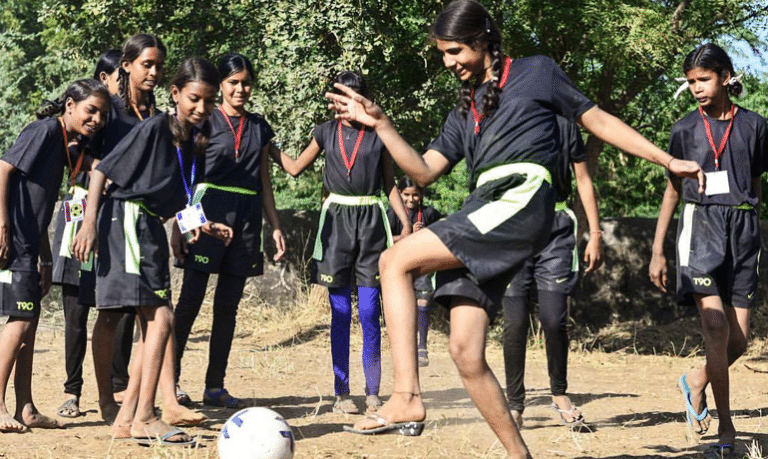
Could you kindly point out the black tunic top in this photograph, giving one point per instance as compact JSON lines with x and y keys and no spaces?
{"x":221,"y":167}
{"x":365,"y":178}
{"x":572,"y":150}
{"x":144,"y":167}
{"x":429,"y":215}
{"x":744,"y":157}
{"x":523,"y":128}
{"x":120,"y":121}
{"x":39,"y":155}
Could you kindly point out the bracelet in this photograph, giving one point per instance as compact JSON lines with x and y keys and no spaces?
{"x":670,"y":161}
{"x":46,"y":263}
{"x":597,"y":233}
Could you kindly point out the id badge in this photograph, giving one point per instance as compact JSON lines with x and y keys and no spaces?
{"x":717,"y":183}
{"x":191,"y":217}
{"x":74,"y":210}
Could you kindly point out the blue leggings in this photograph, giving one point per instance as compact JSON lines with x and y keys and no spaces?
{"x":369,"y":310}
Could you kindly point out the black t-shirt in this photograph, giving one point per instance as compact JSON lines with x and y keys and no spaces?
{"x":119,"y":123}
{"x":572,"y":150}
{"x":429,"y":215}
{"x":144,"y":167}
{"x":39,"y":156}
{"x":744,"y":157}
{"x":523,"y":128}
{"x":221,"y":167}
{"x":365,"y":178}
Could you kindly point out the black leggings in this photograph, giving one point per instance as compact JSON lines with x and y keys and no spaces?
{"x":553,"y":313}
{"x":229,"y":290}
{"x":76,"y":342}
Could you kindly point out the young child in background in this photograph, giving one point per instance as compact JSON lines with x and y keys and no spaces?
{"x":352,"y":233}
{"x":420,"y":216}
{"x":718,"y":234}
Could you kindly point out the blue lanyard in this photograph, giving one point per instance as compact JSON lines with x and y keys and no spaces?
{"x":187,"y":185}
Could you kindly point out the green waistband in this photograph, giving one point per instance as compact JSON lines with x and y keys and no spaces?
{"x":562,"y":205}
{"x":505,"y":170}
{"x":144,"y":208}
{"x":334,"y":198}
{"x":743,"y":206}
{"x":228,"y":189}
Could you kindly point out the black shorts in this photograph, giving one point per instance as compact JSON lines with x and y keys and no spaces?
{"x":556,"y":267}
{"x":351,"y":240}
{"x":244,"y":256}
{"x":424,"y":287}
{"x":20,"y":294}
{"x":132,"y":267}
{"x":504,"y":222}
{"x":718,"y":250}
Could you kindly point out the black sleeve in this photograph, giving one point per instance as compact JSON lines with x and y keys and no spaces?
{"x":267,"y":133}
{"x":319,"y":135}
{"x":565,"y":96}
{"x":676,"y":147}
{"x":449,"y":141}
{"x":761,"y":154}
{"x":394,"y":222}
{"x":130,"y":155}
{"x":431,"y":215}
{"x":33,"y":144}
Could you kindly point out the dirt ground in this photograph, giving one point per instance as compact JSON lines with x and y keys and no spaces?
{"x":630,"y":401}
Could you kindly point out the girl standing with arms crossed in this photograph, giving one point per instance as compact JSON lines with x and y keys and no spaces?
{"x":352,"y":233}
{"x":236,"y":184}
{"x":420,"y":216}
{"x":505,"y":127}
{"x":556,"y":272}
{"x":77,"y":286}
{"x":30,"y":175}
{"x":153,"y":171}
{"x":718,"y":235}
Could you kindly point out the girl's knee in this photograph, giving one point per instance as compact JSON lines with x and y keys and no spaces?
{"x":469,"y":362}
{"x":715,"y":329}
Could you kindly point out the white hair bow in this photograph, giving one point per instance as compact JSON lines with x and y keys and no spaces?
{"x":732,"y":81}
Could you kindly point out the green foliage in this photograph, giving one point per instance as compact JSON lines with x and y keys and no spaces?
{"x":621,"y":54}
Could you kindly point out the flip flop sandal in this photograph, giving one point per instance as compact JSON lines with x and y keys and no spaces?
{"x":70,"y":408}
{"x":164,"y":439}
{"x":182,"y":397}
{"x":221,"y":398}
{"x":575,"y":417}
{"x":720,"y":450}
{"x":410,"y":428}
{"x":690,"y":411}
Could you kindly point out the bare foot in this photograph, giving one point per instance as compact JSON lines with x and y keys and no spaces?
{"x":9,"y":424}
{"x":32,"y":418}
{"x":109,"y":411}
{"x":401,"y":407}
{"x":568,"y":413}
{"x":120,"y":431}
{"x":181,"y":416}
{"x":157,"y":429}
{"x":119,"y":396}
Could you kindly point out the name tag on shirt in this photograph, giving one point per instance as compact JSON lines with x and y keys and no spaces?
{"x":191,"y":217}
{"x":74,"y":210}
{"x":717,"y":183}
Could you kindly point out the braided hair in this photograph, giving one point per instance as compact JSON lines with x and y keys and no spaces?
{"x":194,"y":69}
{"x":468,"y":22}
{"x":77,"y":91}
{"x":131,"y":51}
{"x":712,"y":57}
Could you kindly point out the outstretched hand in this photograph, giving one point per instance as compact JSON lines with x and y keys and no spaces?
{"x":688,"y":169}
{"x":351,"y":106}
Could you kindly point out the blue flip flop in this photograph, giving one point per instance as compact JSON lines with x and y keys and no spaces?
{"x":690,"y":411}
{"x":720,"y":450}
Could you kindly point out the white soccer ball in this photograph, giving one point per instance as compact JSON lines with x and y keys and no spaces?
{"x":256,"y":433}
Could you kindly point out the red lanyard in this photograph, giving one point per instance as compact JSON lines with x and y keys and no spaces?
{"x":418,"y":214}
{"x":708,"y":129}
{"x":349,"y":162}
{"x":76,"y":170}
{"x":477,"y":116}
{"x":238,"y":135}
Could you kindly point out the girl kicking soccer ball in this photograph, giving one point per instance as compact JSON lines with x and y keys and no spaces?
{"x":718,"y":234}
{"x":505,"y":127}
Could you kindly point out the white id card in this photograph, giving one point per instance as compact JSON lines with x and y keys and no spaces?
{"x":191,"y":217}
{"x":717,"y":183}
{"x":74,"y":210}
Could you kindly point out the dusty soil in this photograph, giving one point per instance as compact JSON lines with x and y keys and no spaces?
{"x":630,"y":402}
